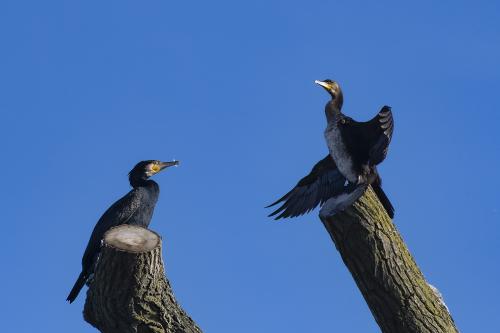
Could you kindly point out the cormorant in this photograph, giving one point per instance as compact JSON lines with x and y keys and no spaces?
{"x":355,"y":150}
{"x":135,"y":208}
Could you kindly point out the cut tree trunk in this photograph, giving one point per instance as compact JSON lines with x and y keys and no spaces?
{"x":129,"y":291}
{"x":397,"y":293}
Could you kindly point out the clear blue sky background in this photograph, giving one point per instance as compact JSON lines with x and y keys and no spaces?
{"x":89,"y":88}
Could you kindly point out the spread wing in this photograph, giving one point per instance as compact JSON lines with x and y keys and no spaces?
{"x":323,"y":182}
{"x":119,"y":213}
{"x":371,"y":137}
{"x":383,"y":125}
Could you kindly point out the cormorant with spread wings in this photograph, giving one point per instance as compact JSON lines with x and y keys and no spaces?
{"x":355,"y":150}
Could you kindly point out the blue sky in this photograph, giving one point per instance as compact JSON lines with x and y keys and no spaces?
{"x":89,"y":88}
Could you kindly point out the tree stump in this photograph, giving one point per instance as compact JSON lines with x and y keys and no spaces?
{"x":129,"y":291}
{"x":385,"y":272}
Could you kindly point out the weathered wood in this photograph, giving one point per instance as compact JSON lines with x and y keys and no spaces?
{"x":129,"y":291}
{"x":399,"y":297}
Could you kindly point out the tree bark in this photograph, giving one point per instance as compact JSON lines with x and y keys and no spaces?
{"x":129,"y":291}
{"x":385,"y":272}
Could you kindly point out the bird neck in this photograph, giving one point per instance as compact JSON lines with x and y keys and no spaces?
{"x":138,"y":181}
{"x":333,"y":107}
{"x":339,"y":99}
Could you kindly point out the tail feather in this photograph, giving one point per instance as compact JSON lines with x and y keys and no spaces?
{"x":384,"y":200}
{"x":382,"y":197}
{"x":80,"y":282}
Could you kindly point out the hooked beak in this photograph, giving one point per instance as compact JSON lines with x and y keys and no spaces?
{"x":164,"y":165}
{"x":323,"y":84}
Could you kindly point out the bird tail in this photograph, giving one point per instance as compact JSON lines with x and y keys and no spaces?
{"x":384,"y":200}
{"x":82,"y":278}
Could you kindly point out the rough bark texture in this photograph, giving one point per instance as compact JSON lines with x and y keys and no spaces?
{"x":393,"y":286}
{"x":130,"y":293}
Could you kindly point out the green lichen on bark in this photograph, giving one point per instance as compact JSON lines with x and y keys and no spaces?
{"x":384,"y":270}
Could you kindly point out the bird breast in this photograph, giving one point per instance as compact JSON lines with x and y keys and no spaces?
{"x":339,"y":153}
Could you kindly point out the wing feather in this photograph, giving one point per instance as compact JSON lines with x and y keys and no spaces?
{"x":370,"y":138}
{"x":119,"y":213}
{"x":383,"y":126}
{"x":323,"y":182}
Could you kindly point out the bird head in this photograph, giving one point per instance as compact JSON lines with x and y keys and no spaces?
{"x":332,"y":87}
{"x":145,"y":169}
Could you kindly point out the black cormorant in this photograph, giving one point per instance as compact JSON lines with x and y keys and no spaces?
{"x":135,"y":208}
{"x":355,"y":150}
